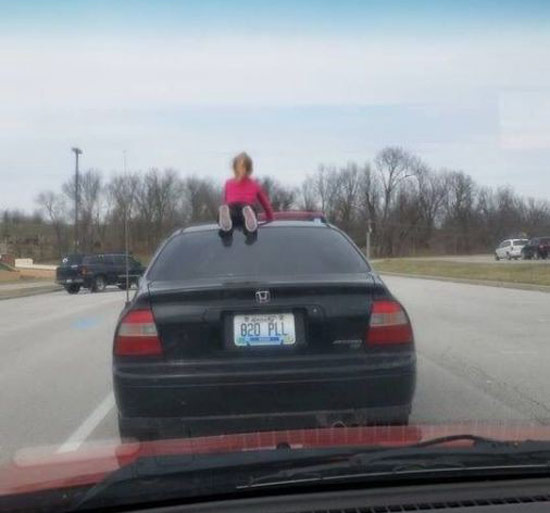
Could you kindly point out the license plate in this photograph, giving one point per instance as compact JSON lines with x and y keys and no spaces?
{"x":264,"y":330}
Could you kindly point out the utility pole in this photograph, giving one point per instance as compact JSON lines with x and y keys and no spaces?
{"x":77,"y":152}
{"x":369,"y":231}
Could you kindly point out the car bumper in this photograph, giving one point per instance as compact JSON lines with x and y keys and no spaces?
{"x":265,"y":401}
{"x":70,"y":281}
{"x":178,"y":427}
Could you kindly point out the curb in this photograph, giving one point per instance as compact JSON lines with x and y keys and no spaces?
{"x":28,"y":291}
{"x":489,"y":283}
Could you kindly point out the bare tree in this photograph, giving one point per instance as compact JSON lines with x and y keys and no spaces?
{"x":432,"y":191}
{"x":201,"y":199}
{"x":122,"y":196}
{"x":535,"y":215}
{"x":89,"y":218}
{"x":281,"y":197}
{"x":54,"y":207}
{"x":347,"y":194}
{"x":157,"y":197}
{"x":410,"y":206}
{"x":369,"y":193}
{"x":394,"y":165}
{"x":326,"y":187}
{"x":394,"y":168}
{"x":307,"y":199}
{"x":122,"y":190}
{"x":460,"y":212}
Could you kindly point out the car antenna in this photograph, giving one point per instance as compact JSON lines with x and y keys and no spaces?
{"x":126,"y":239}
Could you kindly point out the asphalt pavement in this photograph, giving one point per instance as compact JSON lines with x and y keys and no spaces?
{"x":483,"y":356}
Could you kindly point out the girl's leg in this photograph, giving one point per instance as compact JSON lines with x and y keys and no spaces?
{"x":224,"y":220}
{"x":250,"y":219}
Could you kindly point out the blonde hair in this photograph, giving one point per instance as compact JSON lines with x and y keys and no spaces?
{"x":246,"y":160}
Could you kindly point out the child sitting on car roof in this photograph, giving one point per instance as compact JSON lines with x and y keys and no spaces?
{"x":240,"y":196}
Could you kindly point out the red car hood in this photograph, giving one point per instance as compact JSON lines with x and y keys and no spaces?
{"x":43,"y":468}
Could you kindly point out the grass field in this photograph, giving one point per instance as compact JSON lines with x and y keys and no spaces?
{"x":524,"y":273}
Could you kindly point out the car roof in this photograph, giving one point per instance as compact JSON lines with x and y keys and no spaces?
{"x":274,"y":224}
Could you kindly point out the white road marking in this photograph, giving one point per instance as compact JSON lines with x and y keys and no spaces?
{"x":90,"y":423}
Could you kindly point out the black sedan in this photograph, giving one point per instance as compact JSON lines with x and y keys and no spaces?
{"x":291,"y":329}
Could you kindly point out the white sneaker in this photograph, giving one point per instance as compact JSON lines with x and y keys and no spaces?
{"x":250,"y":220}
{"x":224,"y":219}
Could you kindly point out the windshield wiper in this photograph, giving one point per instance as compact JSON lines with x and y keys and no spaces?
{"x":195,"y":474}
{"x":178,"y":476}
{"x":429,"y":456}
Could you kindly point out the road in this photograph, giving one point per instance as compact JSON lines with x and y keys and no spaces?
{"x":483,"y":355}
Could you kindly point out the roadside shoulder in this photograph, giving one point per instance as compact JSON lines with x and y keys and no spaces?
{"x":490,"y":283}
{"x":15,"y":290}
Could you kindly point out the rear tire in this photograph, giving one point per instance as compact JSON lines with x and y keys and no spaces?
{"x":72,"y":289}
{"x":99,"y":284}
{"x":497,"y":258}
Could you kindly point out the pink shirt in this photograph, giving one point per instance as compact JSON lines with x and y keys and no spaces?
{"x":249,"y":192}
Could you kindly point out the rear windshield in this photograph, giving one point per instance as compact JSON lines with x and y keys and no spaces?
{"x":72,"y":260}
{"x":278,"y":251}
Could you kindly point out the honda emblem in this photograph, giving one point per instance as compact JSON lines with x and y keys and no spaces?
{"x":263,"y":296}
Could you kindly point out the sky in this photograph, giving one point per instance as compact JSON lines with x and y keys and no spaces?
{"x":188,"y":84}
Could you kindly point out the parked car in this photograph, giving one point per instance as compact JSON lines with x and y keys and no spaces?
{"x":510,"y":249}
{"x":95,"y":272}
{"x":292,"y":327}
{"x":537,"y":248}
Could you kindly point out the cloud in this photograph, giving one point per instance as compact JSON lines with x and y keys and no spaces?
{"x":131,"y":72}
{"x":163,"y":99}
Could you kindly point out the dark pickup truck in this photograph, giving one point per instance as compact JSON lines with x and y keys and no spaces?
{"x":537,"y":248}
{"x":96,"y":271}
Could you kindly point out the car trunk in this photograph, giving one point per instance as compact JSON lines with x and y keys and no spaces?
{"x":195,"y":319}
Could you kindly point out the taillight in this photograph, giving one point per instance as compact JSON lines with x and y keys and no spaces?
{"x":137,"y":335}
{"x":388,"y":325}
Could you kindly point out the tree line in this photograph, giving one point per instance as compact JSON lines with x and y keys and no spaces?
{"x":409,"y":207}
